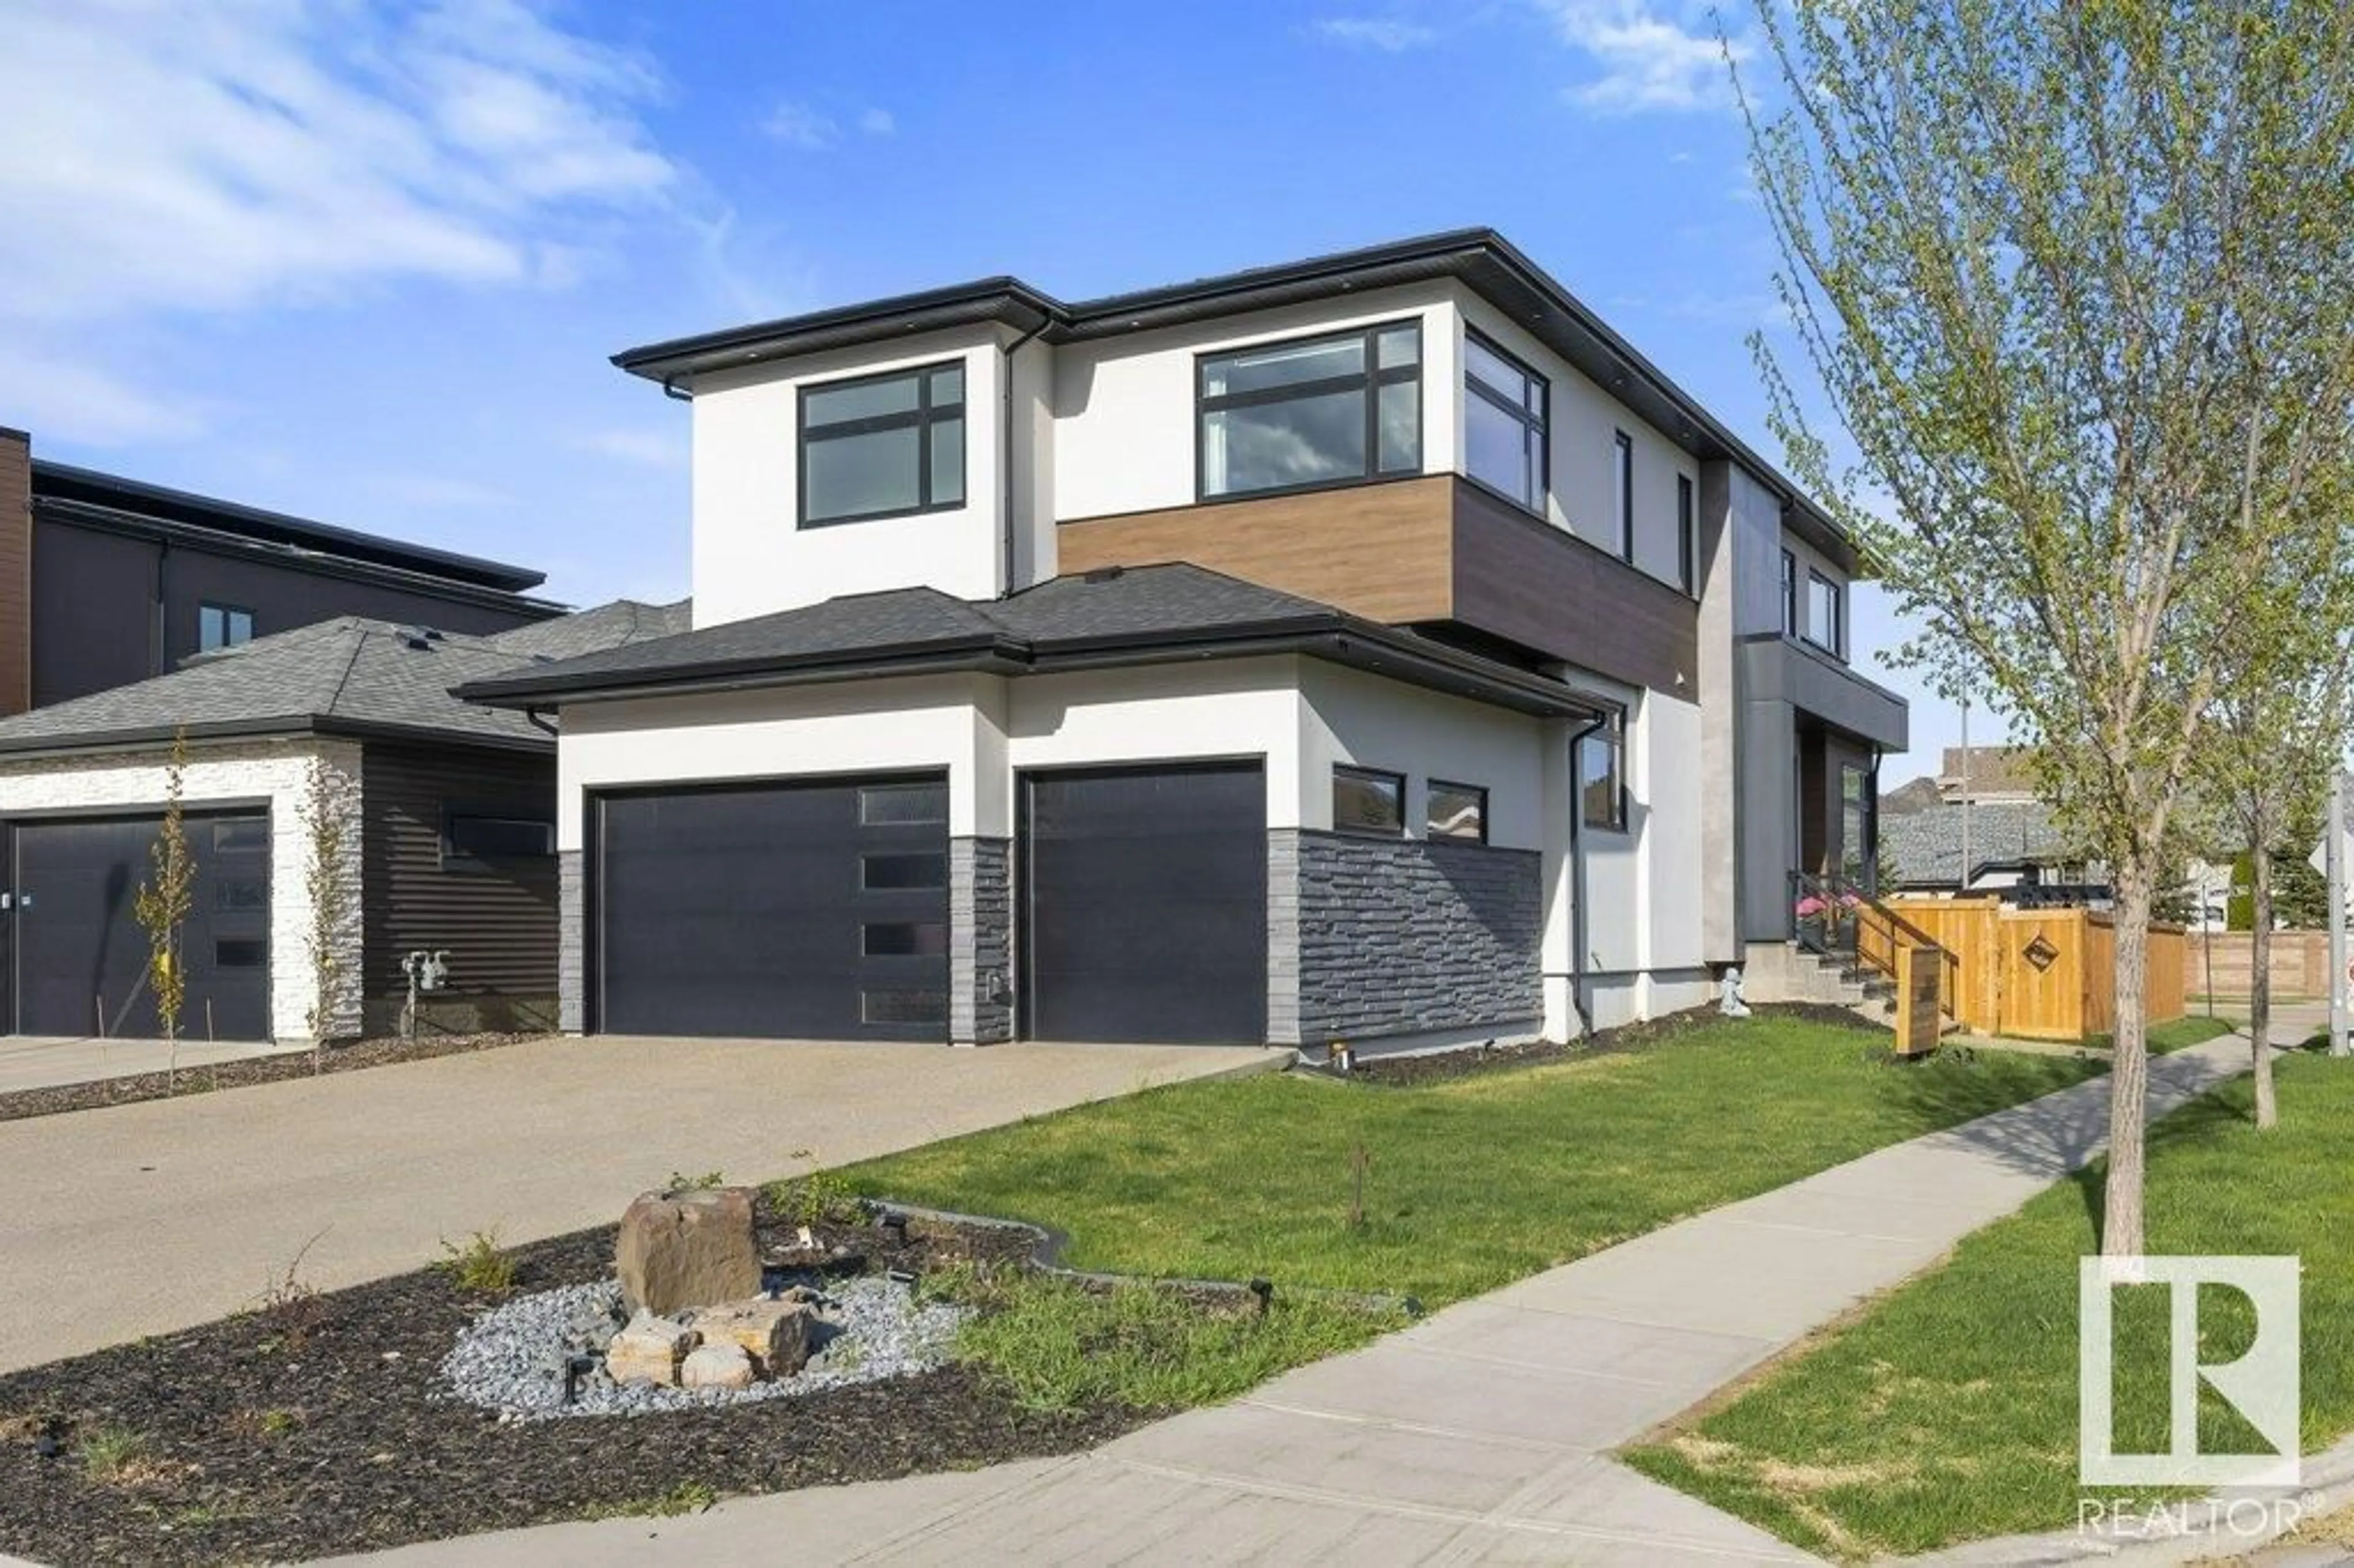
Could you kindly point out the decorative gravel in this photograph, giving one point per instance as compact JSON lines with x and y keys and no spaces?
{"x":511,"y":1359}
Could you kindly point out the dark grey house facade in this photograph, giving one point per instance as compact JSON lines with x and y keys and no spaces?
{"x":106,"y":580}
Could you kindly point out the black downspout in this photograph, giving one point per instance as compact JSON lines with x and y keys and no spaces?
{"x":1005,"y":447}
{"x":159,"y":643}
{"x":532,"y":716}
{"x":1577,"y":929}
{"x":669,"y":390}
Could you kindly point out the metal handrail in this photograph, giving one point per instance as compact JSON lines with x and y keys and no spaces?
{"x":1839,"y":897}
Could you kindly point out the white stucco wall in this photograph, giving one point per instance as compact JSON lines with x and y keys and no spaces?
{"x":1584,"y":417}
{"x":1125,"y":419}
{"x":275,"y":774}
{"x":1362,"y":720}
{"x":751,"y":557}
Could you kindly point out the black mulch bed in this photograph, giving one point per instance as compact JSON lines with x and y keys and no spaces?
{"x":1438,"y":1065}
{"x":313,"y":1428}
{"x":349,"y":1057}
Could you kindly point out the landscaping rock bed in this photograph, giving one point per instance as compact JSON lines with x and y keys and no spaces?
{"x":326,"y":1424}
{"x":349,"y":1057}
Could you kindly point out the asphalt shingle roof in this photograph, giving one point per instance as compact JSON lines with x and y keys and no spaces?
{"x":1925,"y":847}
{"x":350,"y":671}
{"x":1168,"y":603}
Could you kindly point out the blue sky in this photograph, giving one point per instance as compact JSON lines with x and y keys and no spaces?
{"x":366,"y":263}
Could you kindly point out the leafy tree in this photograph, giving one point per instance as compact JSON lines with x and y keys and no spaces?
{"x":2071,"y":276}
{"x":161,"y":905}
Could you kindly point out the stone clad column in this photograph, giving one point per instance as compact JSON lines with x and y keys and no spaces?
{"x":980,"y":941}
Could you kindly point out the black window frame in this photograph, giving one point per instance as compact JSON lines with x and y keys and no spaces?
{"x":206,"y":607}
{"x":1370,"y":776}
{"x":1837,"y":646}
{"x":1622,"y":479}
{"x":1610,"y":733}
{"x":474,"y":862}
{"x":1687,"y":536}
{"x":1540,"y":425}
{"x":1372,"y":379}
{"x":1790,"y":592}
{"x":920,"y":418}
{"x":1430,"y":829}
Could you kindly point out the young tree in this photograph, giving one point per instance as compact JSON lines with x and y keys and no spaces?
{"x":2070,"y":274}
{"x":161,"y":905}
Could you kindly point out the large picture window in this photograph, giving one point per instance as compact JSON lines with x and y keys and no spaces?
{"x":1316,"y":411}
{"x":883,"y":446}
{"x":1503,"y":423}
{"x":1602,"y":775}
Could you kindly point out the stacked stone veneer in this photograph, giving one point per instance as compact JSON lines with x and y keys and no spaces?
{"x":981,"y":940}
{"x":571,"y":938}
{"x":274,"y":774}
{"x":1379,"y":937}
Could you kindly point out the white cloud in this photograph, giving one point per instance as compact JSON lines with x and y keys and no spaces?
{"x":1646,"y":61}
{"x":878,"y":122}
{"x":206,"y":157}
{"x":437,"y":490}
{"x":65,"y":397}
{"x":799,"y":125}
{"x":1388,"y":34}
{"x":657,"y":448}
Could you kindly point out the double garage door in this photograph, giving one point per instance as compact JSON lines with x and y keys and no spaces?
{"x":819,"y":910}
{"x":77,"y":956}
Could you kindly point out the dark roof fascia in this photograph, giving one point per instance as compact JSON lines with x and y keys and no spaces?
{"x":1481,"y":258}
{"x":166,"y":505}
{"x":273,"y":728}
{"x":1004,"y":302}
{"x":991,"y":654}
{"x":189,"y":535}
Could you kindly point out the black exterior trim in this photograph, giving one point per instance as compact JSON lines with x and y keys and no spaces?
{"x":1370,"y":382}
{"x":920,"y":419}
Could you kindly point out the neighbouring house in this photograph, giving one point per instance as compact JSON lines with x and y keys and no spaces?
{"x":2015,"y":848}
{"x":1987,"y":773}
{"x":1373,"y":648}
{"x":445,"y":813}
{"x":106,"y":580}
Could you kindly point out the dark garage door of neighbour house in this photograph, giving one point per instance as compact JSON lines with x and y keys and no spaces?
{"x":1145,"y":904}
{"x":813,"y":910}
{"x":77,"y":948}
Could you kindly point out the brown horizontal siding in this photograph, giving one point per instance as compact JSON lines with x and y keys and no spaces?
{"x":15,"y":573}
{"x":1376,"y":550}
{"x":1437,"y":548}
{"x":498,"y":926}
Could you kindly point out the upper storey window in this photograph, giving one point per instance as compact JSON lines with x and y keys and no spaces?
{"x":883,"y":446}
{"x":1825,"y":614}
{"x":1338,"y":409}
{"x":1503,"y":423}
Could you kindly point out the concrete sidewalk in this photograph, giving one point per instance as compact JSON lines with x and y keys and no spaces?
{"x":1480,"y":1435}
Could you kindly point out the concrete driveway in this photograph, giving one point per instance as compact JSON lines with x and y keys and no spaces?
{"x":140,"y":1219}
{"x":44,"y":1061}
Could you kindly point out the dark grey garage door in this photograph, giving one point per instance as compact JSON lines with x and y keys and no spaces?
{"x":778,"y":911}
{"x":1145,"y":904}
{"x":79,"y":952}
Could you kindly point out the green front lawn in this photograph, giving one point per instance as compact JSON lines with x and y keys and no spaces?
{"x":1469,"y":1183}
{"x":2191,"y":1029}
{"x":1948,"y":1411}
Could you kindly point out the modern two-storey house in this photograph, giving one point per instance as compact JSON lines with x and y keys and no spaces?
{"x":1373,"y":648}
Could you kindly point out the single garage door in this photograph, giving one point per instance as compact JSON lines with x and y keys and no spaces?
{"x":80,"y":952}
{"x":1145,"y":904}
{"x":814,"y":911}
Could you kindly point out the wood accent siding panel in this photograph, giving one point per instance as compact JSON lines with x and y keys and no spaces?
{"x":16,"y":572}
{"x":499,"y":925}
{"x":1523,"y":579}
{"x":1382,"y":551}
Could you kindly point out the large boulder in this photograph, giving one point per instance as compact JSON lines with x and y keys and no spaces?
{"x":688,"y":1249}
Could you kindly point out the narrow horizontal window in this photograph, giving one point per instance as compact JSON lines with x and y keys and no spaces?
{"x":909,"y":1006}
{"x":883,"y":446}
{"x":1336,"y":409}
{"x":240,"y":893}
{"x":1503,"y":423}
{"x":903,"y":939}
{"x":902,"y":805}
{"x":899,"y":873}
{"x":1456,"y":812}
{"x":475,"y":836}
{"x":1365,"y":801}
{"x":239,"y":953}
{"x":1602,"y":775}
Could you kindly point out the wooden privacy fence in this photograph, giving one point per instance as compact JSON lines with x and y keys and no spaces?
{"x":2222,"y":962}
{"x":2042,"y":974}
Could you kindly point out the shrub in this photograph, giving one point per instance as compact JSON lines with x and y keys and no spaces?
{"x":479,"y":1265}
